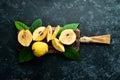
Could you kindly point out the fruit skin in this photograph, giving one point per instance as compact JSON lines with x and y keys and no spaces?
{"x":39,"y":48}
{"x":67,"y":37}
{"x":25,"y":37}
{"x":57,"y":45}
{"x":49,"y":33}
{"x":39,"y":34}
{"x":55,"y":32}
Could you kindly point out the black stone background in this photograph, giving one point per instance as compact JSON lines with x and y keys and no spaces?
{"x":96,"y":17}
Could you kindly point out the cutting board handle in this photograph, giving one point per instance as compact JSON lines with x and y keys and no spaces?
{"x":103,"y":39}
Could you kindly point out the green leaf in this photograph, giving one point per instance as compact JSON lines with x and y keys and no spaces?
{"x":72,"y":26}
{"x":71,"y":53}
{"x":37,"y":23}
{"x":25,"y":55}
{"x":21,"y":26}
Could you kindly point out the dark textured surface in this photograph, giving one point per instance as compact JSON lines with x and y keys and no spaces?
{"x":96,"y":17}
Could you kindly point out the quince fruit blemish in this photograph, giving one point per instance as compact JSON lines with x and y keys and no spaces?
{"x":55,"y":32}
{"x":39,"y":34}
{"x":25,"y":37}
{"x":39,"y":48}
{"x":57,"y":45}
{"x":67,"y":37}
{"x":49,"y":33}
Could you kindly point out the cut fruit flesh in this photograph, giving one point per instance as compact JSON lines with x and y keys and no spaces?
{"x":49,"y":33}
{"x":39,"y":34}
{"x":25,"y":37}
{"x":55,"y":32}
{"x":67,"y":37}
{"x":57,"y":45}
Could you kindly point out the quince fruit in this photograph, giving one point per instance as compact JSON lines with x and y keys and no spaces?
{"x":25,"y":37}
{"x":39,"y":34}
{"x":39,"y":48}
{"x":67,"y":37}
{"x":49,"y":33}
{"x":57,"y":45}
{"x":55,"y":32}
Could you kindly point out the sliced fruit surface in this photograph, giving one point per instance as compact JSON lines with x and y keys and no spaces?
{"x":39,"y":48}
{"x":25,"y":37}
{"x":67,"y":37}
{"x":55,"y":32}
{"x":39,"y":34}
{"x":57,"y":45}
{"x":49,"y":33}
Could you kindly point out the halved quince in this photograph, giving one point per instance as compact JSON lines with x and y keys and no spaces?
{"x":39,"y":34}
{"x":49,"y":33}
{"x":55,"y":32}
{"x":67,"y":37}
{"x":57,"y":45}
{"x":25,"y":37}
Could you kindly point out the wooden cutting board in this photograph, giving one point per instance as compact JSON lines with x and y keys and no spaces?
{"x":103,"y":39}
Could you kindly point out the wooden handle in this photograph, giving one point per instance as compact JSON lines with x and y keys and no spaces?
{"x":104,"y":39}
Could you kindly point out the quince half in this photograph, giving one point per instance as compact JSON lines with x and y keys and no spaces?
{"x":67,"y":37}
{"x":25,"y":37}
{"x":39,"y":34}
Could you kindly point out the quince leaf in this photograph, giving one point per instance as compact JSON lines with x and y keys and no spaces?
{"x":37,"y":23}
{"x":71,"y":53}
{"x":21,"y":26}
{"x":26,"y":55}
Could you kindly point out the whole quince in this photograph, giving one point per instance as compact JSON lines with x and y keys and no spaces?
{"x":39,"y":48}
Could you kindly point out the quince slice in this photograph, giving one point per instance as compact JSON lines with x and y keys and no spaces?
{"x":55,"y":32}
{"x":39,"y":34}
{"x":67,"y":37}
{"x":57,"y":45}
{"x":49,"y":33}
{"x":25,"y":37}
